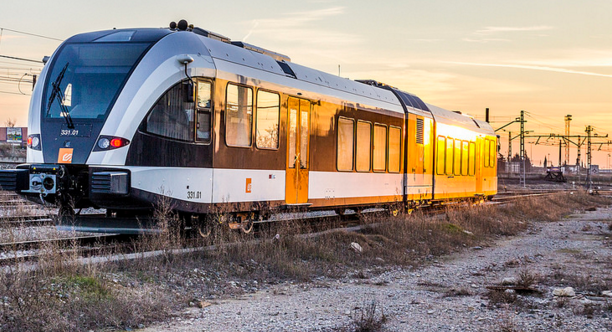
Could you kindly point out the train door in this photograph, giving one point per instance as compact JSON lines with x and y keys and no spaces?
{"x":479,"y":164}
{"x":298,"y":163}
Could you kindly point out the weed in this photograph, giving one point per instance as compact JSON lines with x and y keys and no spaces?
{"x":526,"y":278}
{"x":499,"y":298}
{"x":370,"y":318}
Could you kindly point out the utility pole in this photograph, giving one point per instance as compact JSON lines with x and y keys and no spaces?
{"x":509,"y":146}
{"x":522,"y":151}
{"x":588,"y":130}
{"x":568,"y":118}
{"x":578,"y":157}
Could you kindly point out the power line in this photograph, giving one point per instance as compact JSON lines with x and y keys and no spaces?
{"x":31,"y":34}
{"x":15,"y":93}
{"x":21,"y":59}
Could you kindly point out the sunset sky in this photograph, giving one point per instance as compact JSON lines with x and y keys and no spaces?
{"x":547,"y":57}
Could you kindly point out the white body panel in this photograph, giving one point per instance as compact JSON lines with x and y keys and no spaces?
{"x":214,"y":185}
{"x":326,"y":185}
{"x":230,"y":185}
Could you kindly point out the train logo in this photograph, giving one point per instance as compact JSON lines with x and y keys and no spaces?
{"x":248,"y":185}
{"x":64,"y":156}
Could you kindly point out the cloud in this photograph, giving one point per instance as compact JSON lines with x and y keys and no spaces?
{"x":485,"y":40}
{"x":573,"y":58}
{"x":494,"y":30}
{"x":485,"y":34}
{"x":530,"y":67}
{"x":301,"y":26}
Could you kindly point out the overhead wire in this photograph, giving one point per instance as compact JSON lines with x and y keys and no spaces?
{"x":31,"y":34}
{"x":15,"y":93}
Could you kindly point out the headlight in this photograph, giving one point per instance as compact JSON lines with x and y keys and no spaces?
{"x":104,"y":143}
{"x":34,"y":142}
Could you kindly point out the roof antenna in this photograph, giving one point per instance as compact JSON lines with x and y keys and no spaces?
{"x":338,"y":70}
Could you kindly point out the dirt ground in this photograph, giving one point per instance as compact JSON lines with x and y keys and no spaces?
{"x":453,"y":293}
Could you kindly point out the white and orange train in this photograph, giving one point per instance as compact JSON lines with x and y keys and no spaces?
{"x":120,"y":119}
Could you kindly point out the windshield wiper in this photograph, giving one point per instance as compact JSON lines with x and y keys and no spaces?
{"x":56,"y":91}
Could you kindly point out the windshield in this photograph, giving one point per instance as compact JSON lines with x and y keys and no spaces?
{"x":87,"y":78}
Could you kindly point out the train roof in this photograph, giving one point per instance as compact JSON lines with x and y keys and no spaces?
{"x":241,"y":53}
{"x":456,"y":118}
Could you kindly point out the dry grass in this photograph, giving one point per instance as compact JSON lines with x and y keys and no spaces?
{"x":61,"y":295}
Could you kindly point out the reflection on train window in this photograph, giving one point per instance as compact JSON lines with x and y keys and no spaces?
{"x":449,"y":156}
{"x":394,"y":149}
{"x":345,"y":144}
{"x":268,"y":112}
{"x":89,"y":76}
{"x":493,"y":150}
{"x":380,"y":148}
{"x":464,"y":158}
{"x":293,"y":114}
{"x":487,"y":153}
{"x":441,"y":153}
{"x":238,"y":116}
{"x":472,"y":159}
{"x":364,"y":146}
{"x":457,"y":158}
{"x":171,"y":116}
{"x":203,"y":125}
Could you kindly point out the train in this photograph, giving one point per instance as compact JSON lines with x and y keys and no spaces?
{"x":127,"y":119}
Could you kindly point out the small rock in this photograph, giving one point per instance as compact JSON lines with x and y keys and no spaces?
{"x":355,"y":246}
{"x":564,"y":292}
{"x":477,"y":248}
{"x":509,"y":281}
{"x":607,"y":293}
{"x":430,"y":312}
{"x":204,"y":304}
{"x":467,"y":232}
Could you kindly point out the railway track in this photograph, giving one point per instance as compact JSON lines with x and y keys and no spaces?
{"x":313,"y":224}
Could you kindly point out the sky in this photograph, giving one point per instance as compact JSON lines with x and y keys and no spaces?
{"x":549,"y":58}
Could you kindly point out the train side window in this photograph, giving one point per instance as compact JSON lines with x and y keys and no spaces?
{"x":238,"y":116}
{"x":487,"y":153}
{"x":493,"y":150}
{"x":449,"y":156}
{"x":203,"y":105}
{"x":268,"y":113}
{"x":395,"y":135}
{"x":364,"y":146}
{"x":457,"y":158}
{"x":171,"y":116}
{"x":472,"y":159}
{"x":380,"y":148}
{"x":464,"y":158}
{"x":441,"y":153}
{"x":346,"y":129}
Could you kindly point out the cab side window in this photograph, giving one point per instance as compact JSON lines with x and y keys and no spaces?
{"x":203,"y":106}
{"x":172,"y":116}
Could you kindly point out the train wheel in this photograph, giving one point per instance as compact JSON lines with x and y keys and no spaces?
{"x":247,"y":226}
{"x":204,"y":230}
